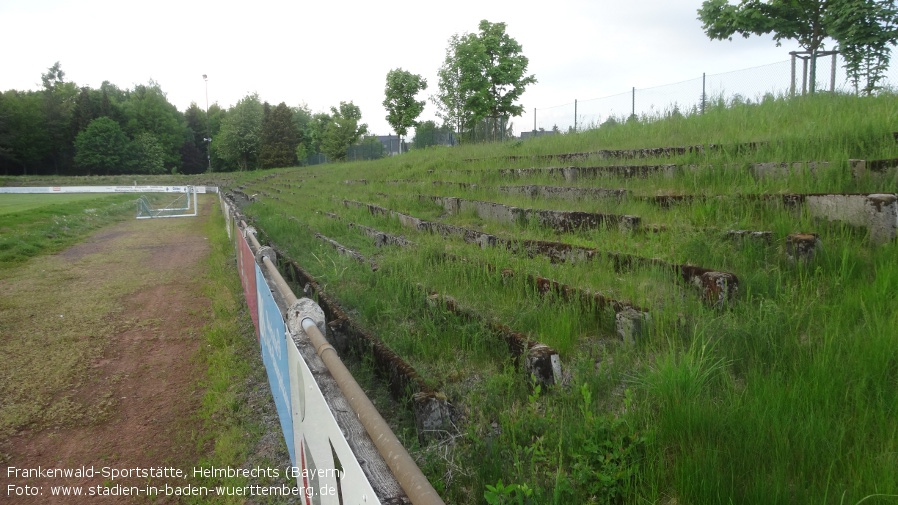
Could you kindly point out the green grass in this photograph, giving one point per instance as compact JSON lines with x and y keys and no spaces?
{"x":32,"y":225}
{"x":237,"y":409}
{"x":13,"y":203}
{"x":786,"y":397}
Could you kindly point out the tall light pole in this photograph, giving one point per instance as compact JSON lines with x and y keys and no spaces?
{"x":208,"y":139}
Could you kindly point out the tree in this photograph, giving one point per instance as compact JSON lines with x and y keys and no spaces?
{"x":302,"y":120}
{"x":279,"y":138}
{"x":24,"y":139}
{"x":149,"y":157}
{"x":194,"y":155}
{"x":102,"y":147}
{"x":59,"y":102}
{"x":865,"y":30}
{"x":317,"y":129}
{"x":809,"y":22}
{"x":402,"y":108}
{"x":450,"y":102}
{"x":342,"y":131}
{"x":148,"y":110}
{"x":428,"y":134}
{"x":498,"y":78}
{"x":487,"y":74}
{"x":238,"y":141}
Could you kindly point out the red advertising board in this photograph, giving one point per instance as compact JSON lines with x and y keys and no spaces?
{"x":246,"y":263}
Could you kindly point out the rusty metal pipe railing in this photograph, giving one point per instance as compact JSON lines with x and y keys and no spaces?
{"x":410,"y":478}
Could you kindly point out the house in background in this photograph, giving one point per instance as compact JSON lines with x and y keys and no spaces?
{"x":391,"y":144}
{"x":537,"y":133}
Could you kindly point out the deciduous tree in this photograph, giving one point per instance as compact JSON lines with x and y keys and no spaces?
{"x":866,"y":31}
{"x":148,"y":111}
{"x":149,"y":157}
{"x":857,"y":25}
{"x":342,"y":131}
{"x":239,"y":139}
{"x":402,"y":108}
{"x":450,"y":101}
{"x":486,"y":73}
{"x":102,"y":147}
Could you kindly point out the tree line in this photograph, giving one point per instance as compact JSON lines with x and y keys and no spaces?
{"x":69,"y":130}
{"x":65,"y":129}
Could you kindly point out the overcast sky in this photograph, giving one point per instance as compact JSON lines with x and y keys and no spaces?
{"x":321,"y":52}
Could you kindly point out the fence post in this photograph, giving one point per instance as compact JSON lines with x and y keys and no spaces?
{"x":804,"y":76}
{"x":813,"y":84}
{"x":832,"y":75}
{"x":633,"y":104}
{"x":703,"y":93}
{"x":792,"y":82}
{"x":575,"y":114}
{"x":534,"y":120}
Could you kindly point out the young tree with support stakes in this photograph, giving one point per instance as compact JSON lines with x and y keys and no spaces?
{"x":402,"y":108}
{"x":808,"y":22}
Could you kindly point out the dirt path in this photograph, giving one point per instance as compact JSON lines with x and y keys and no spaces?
{"x":99,"y":345}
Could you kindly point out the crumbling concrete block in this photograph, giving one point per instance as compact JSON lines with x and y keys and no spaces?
{"x":571,"y":174}
{"x":718,"y":288}
{"x":882,"y":210}
{"x":629,"y":223}
{"x":801,"y":247}
{"x":764,"y":237}
{"x":544,"y":364}
{"x":433,"y":415}
{"x":632,"y":324}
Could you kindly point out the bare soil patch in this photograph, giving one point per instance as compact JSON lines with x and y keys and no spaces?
{"x":127,"y":398}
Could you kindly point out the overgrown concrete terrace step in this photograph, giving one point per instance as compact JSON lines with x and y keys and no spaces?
{"x":563,"y":221}
{"x":433,"y":413}
{"x":629,"y":318}
{"x":877,"y":212}
{"x":571,"y":174}
{"x":717,"y":288}
{"x":651,"y":152}
{"x":588,"y":300}
{"x":381,"y":238}
{"x":669,"y":171}
{"x":540,"y":360}
{"x":345,"y":251}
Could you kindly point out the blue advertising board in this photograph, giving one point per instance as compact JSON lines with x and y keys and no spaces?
{"x":273,"y":340}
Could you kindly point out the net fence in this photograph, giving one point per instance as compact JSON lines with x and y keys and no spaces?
{"x":781,"y":79}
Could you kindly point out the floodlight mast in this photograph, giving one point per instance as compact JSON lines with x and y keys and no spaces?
{"x":208,"y":140}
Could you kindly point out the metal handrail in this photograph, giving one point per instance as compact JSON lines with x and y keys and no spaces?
{"x":408,"y":475}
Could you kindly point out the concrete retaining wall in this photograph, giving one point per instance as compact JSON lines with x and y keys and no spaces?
{"x":564,"y":221}
{"x":877,"y":212}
